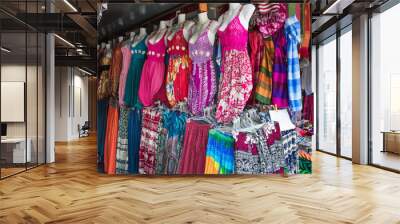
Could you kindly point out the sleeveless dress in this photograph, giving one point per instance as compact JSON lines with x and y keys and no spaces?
{"x":126,"y":61}
{"x":152,"y":73}
{"x":135,"y":71}
{"x":236,"y":83}
{"x":202,"y":84}
{"x":103,"y":86}
{"x":179,"y":69}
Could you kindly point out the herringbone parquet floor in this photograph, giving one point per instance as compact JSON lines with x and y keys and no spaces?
{"x":71,"y":191}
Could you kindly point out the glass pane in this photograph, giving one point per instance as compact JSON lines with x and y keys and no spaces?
{"x":346,"y":94}
{"x":13,"y":86}
{"x":385,"y":84}
{"x":327,"y":96}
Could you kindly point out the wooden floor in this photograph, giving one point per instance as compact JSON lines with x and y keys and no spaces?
{"x":71,"y":191}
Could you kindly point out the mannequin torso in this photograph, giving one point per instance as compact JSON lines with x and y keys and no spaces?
{"x":142,"y":34}
{"x":108,"y":51}
{"x":200,"y":27}
{"x":157,"y":35}
{"x":244,"y":15}
{"x":186,"y":27}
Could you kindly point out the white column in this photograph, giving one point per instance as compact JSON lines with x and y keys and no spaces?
{"x":50,"y":93}
{"x":360,"y":90}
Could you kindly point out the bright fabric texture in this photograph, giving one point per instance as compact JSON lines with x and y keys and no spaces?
{"x":220,"y":153}
{"x":179,"y":69}
{"x":151,"y":128}
{"x":293,"y":35}
{"x":202,"y":84}
{"x":110,"y":144}
{"x":263,"y":93}
{"x":153,"y":73}
{"x":194,"y":148}
{"x":134,"y":74}
{"x":279,"y":74}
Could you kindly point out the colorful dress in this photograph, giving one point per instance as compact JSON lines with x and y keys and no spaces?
{"x":220,"y":153}
{"x":236,"y":83}
{"x":247,"y":160}
{"x":126,"y":61}
{"x":134,"y":131}
{"x":104,"y":83}
{"x":153,"y":72}
{"x":179,"y":69}
{"x":135,"y":71}
{"x":202,"y":87}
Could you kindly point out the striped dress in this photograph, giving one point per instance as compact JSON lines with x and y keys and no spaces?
{"x":264,"y":84}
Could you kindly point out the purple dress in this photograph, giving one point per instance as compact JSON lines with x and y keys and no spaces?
{"x":202,"y":83}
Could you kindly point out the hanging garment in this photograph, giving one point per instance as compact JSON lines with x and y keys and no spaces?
{"x":179,"y":69}
{"x":115,"y":70}
{"x":219,"y":153}
{"x":271,"y":155}
{"x":256,"y":49}
{"x":151,"y":128}
{"x":271,"y":18}
{"x":290,"y":151}
{"x":104,"y":83}
{"x":194,"y":148}
{"x":126,"y":61}
{"x":110,"y":145}
{"x":174,"y":123}
{"x":308,"y":109}
{"x":306,"y":25}
{"x":263,"y":92}
{"x":153,"y":72}
{"x":102,"y":106}
{"x":279,"y":72}
{"x":292,"y":31}
{"x":134,"y":131}
{"x":122,"y":143}
{"x":202,"y":87}
{"x":236,"y":83}
{"x":135,"y":71}
{"x":247,"y":160}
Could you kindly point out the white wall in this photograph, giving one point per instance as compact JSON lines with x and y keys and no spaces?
{"x":71,"y":94}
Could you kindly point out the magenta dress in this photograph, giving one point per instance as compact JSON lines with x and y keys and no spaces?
{"x":153,"y":72}
{"x":126,"y":61}
{"x":202,"y":83}
{"x":236,"y":84}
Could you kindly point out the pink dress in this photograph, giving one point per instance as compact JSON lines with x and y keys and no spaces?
{"x":126,"y":61}
{"x":153,"y":72}
{"x":236,"y":83}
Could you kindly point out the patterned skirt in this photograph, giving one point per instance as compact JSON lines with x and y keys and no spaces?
{"x":122,"y":143}
{"x":247,"y":159}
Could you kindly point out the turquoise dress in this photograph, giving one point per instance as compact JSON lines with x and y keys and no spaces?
{"x":134,"y":74}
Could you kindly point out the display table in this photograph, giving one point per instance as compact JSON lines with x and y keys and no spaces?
{"x":13,"y":150}
{"x":391,"y":141}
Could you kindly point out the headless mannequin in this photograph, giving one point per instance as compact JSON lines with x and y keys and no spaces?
{"x":108,"y":50}
{"x":244,"y":16}
{"x":103,"y":45}
{"x":159,"y":33}
{"x":186,"y":27}
{"x":203,"y":23}
{"x":120,"y":39}
{"x":132,"y":36}
{"x":142,"y":34}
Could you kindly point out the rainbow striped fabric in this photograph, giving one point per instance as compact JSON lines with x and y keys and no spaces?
{"x":220,"y":153}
